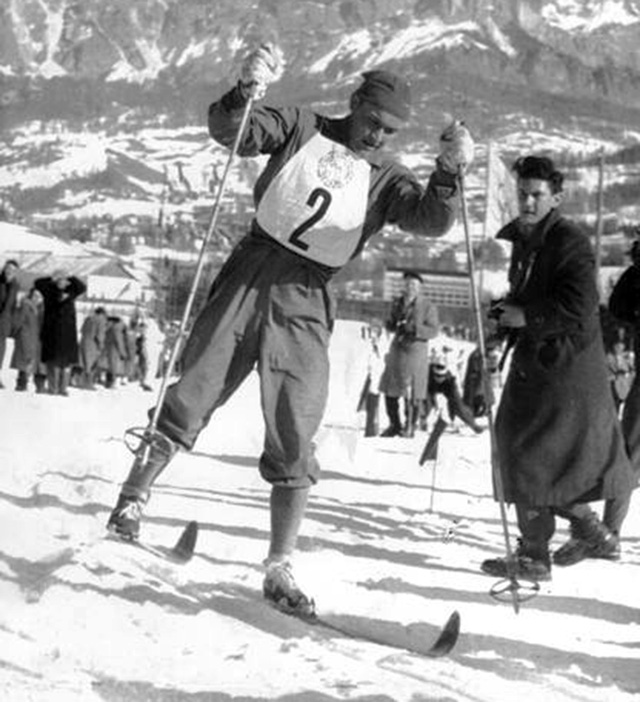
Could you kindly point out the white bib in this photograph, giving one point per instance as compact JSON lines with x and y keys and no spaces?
{"x":316,"y":205}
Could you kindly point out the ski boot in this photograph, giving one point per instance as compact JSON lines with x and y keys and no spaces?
{"x":280,"y":588}
{"x":528,"y":564}
{"x":152,"y":455}
{"x":590,"y":538}
{"x":125,"y":518}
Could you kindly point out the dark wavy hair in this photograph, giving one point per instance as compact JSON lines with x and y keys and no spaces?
{"x":539,"y":168}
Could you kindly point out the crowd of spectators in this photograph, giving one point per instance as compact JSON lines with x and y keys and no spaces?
{"x":53,"y":350}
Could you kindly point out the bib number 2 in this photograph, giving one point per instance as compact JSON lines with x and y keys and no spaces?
{"x":319,"y":200}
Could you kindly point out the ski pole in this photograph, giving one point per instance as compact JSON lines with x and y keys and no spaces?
{"x":150,"y":433}
{"x":513,"y":587}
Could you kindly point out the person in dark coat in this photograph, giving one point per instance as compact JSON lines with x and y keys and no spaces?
{"x":27,"y":348}
{"x":92,"y":338}
{"x":559,"y":442}
{"x":131,"y":363}
{"x":624,"y":305}
{"x":8,"y":304}
{"x":142,"y":355}
{"x":621,"y":371}
{"x":59,"y":328}
{"x":474,"y":389}
{"x":413,"y":321}
{"x":115,"y":350}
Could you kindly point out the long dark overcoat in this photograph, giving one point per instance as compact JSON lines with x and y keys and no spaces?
{"x":558,"y":436}
{"x":59,"y":328}
{"x":26,"y":334}
{"x":116,"y":347}
{"x":624,"y":304}
{"x":406,"y":369}
{"x":8,"y":304}
{"x":92,"y":339}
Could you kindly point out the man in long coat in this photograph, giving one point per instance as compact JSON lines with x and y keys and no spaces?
{"x":59,"y":327}
{"x":624,"y":305}
{"x":559,"y":441}
{"x":26,"y":350}
{"x":413,"y":320}
{"x":116,"y":350}
{"x":92,"y":338}
{"x":8,"y":304}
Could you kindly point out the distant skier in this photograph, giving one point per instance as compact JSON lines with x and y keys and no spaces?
{"x":324,"y":192}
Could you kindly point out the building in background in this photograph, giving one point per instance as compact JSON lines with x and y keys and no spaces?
{"x":111,"y":283}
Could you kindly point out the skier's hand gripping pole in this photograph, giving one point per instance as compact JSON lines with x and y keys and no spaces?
{"x":511,"y":588}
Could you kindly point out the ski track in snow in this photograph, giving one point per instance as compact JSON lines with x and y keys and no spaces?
{"x":387,"y":548}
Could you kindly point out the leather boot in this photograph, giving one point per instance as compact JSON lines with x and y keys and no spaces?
{"x":590,"y":538}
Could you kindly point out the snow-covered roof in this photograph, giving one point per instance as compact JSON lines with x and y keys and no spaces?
{"x":15,"y":238}
{"x":41,"y":253}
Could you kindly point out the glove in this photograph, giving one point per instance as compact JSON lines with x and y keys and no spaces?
{"x":456,"y":148}
{"x":260,"y":68}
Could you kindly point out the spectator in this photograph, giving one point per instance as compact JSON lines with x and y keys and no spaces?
{"x":59,"y":327}
{"x":27,"y":348}
{"x":443,"y":382}
{"x":378,"y":338}
{"x":8,"y":304}
{"x":116,"y":351}
{"x":559,"y":442}
{"x":413,"y":321}
{"x":154,"y":345}
{"x":142,"y":355}
{"x":624,"y":305}
{"x":474,"y":390}
{"x":92,"y":340}
{"x":621,"y":372}
{"x":131,"y":339}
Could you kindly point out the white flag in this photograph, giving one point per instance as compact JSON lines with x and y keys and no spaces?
{"x":502,"y":199}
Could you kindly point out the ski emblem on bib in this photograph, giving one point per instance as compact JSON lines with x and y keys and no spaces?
{"x":335,"y":169}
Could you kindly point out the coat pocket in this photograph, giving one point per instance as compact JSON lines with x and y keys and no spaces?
{"x":555,"y":352}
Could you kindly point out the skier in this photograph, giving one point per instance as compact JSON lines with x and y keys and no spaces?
{"x":559,"y":442}
{"x":325,"y":190}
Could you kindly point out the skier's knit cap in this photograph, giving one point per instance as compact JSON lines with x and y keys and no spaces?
{"x":387,"y":91}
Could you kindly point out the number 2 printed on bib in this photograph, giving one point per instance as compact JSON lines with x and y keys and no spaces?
{"x":316,"y":204}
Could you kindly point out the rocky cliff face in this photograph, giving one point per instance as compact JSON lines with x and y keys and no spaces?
{"x":586,"y":48}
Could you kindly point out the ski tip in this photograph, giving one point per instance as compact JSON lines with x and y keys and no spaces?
{"x":448,"y":637}
{"x":184,"y":549}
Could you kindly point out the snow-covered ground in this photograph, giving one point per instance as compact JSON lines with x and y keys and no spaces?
{"x":388,"y":547}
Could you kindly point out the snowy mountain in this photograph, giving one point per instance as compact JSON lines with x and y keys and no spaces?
{"x":586,"y":46}
{"x":103,"y":102}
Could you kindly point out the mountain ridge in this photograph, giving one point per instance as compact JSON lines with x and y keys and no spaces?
{"x":590,"y":48}
{"x":518,"y":72}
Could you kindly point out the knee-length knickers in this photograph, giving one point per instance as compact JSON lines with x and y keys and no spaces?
{"x":270,"y":309}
